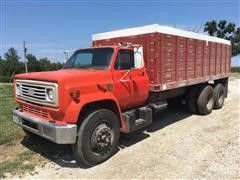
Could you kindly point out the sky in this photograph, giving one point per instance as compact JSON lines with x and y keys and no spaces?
{"x":53,"y":26}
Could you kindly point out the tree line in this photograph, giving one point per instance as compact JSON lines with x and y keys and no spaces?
{"x":11,"y":65}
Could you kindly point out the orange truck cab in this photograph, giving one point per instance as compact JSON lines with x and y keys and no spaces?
{"x":110,"y":88}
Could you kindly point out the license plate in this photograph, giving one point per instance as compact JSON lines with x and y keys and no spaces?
{"x":15,"y":119}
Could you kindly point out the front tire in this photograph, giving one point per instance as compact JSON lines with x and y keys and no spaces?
{"x":98,"y":137}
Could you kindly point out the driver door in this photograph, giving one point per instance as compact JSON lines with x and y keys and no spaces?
{"x":130,"y":84}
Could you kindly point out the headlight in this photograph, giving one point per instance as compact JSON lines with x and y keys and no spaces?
{"x":18,"y":89}
{"x":50,"y":95}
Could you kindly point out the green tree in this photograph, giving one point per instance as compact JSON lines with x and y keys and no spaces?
{"x":1,"y":66}
{"x":11,"y":62}
{"x":45,"y":64}
{"x":56,"y":66}
{"x":225,"y":30}
{"x":211,"y":27}
{"x":236,"y":43}
{"x":2,"y":69}
{"x":33,"y":64}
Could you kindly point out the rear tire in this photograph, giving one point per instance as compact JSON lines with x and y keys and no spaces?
{"x":205,"y":100}
{"x":192,"y":100}
{"x":98,"y":138}
{"x":219,"y":96}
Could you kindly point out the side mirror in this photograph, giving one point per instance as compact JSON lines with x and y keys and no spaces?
{"x":138,"y":57}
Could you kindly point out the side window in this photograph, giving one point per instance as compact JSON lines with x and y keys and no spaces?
{"x":125,"y":60}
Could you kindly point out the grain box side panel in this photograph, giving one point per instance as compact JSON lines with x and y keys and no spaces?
{"x":199,"y":59}
{"x":174,"y":61}
{"x":153,"y":58}
{"x":206,"y":61}
{"x":228,"y":59}
{"x":218,"y":59}
{"x":190,"y":72}
{"x":149,"y":59}
{"x":223,"y":62}
{"x":213,"y":58}
{"x":168,"y":57}
{"x":181,"y":57}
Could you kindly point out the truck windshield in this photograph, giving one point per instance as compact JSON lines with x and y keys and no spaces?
{"x":95,"y":58}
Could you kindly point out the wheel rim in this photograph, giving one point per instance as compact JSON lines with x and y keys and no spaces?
{"x":101,"y":139}
{"x":210,"y":101}
{"x":221,"y":97}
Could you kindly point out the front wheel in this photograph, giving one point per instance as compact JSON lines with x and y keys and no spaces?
{"x":98,"y":137}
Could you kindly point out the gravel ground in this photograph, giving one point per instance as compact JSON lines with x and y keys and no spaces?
{"x":176,"y":145}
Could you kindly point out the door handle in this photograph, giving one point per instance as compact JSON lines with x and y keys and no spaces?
{"x":141,"y":73}
{"x":124,"y":80}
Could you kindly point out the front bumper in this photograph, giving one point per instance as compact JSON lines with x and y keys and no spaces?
{"x":60,"y":134}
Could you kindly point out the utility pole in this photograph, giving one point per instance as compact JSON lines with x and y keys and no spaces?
{"x":65,"y":56}
{"x":25,"y":56}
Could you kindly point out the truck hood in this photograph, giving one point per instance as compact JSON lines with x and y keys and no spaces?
{"x":63,"y":75}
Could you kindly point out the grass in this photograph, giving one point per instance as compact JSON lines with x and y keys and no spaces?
{"x":25,"y":155}
{"x":17,"y":164}
{"x":9,"y":132}
{"x":236,"y":75}
{"x":23,"y":159}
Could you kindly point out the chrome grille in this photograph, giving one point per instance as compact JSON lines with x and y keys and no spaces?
{"x":36,"y":91}
{"x":33,"y":92}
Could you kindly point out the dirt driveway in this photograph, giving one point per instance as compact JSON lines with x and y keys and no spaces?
{"x":176,"y":145}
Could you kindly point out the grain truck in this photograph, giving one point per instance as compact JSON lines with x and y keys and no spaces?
{"x":118,"y":84}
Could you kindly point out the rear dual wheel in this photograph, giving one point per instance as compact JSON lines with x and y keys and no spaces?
{"x":205,"y":100}
{"x":202,"y":100}
{"x":219,"y":96}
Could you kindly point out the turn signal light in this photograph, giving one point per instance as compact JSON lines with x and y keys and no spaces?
{"x":75,"y":94}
